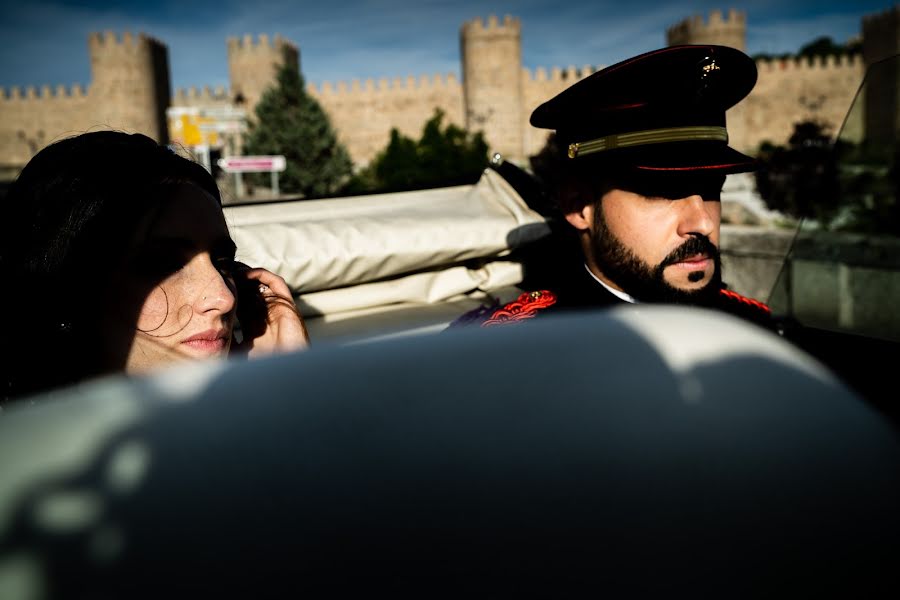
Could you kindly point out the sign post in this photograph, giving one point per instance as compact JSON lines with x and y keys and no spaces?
{"x":253,"y":164}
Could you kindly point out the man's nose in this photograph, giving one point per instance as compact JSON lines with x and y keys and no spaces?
{"x":696,"y":216}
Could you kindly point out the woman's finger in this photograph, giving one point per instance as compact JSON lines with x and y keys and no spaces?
{"x":270,"y":280}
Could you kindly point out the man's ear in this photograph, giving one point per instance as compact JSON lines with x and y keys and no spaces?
{"x":582,"y":218}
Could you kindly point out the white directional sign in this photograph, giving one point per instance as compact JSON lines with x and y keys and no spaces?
{"x":252,"y":164}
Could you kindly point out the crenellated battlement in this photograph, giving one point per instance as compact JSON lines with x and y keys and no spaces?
{"x":558,"y":75}
{"x":45,"y":92}
{"x":112,"y":41}
{"x":735,"y":17}
{"x":474,"y":27}
{"x":881,"y":34}
{"x":493,"y":92}
{"x":384,"y":85}
{"x":881,"y":17}
{"x":844,"y":62}
{"x":194,"y":94}
{"x":491,"y":54}
{"x":727,"y":30}
{"x":697,"y":23}
{"x":262,"y":43}
{"x":253,"y":63}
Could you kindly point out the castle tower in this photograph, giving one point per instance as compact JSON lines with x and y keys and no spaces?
{"x":492,"y":83}
{"x":719,"y":30}
{"x":881,"y":39}
{"x":130,"y":83}
{"x":253,"y":65}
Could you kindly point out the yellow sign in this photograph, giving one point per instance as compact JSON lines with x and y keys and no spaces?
{"x":191,"y":129}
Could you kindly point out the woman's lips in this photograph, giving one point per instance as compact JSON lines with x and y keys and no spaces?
{"x":211,"y":341}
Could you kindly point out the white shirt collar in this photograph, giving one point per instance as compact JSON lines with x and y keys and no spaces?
{"x":613,"y":291}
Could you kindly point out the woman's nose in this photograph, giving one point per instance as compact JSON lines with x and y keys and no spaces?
{"x":215,"y":294}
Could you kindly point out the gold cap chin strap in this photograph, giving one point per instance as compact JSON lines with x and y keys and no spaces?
{"x":650,"y":136}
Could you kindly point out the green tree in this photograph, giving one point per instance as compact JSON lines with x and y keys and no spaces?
{"x":443,"y":156}
{"x":821,"y":46}
{"x":291,"y":122}
{"x":800,"y":179}
{"x":825,"y":46}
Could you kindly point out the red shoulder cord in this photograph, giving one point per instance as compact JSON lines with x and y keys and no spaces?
{"x":524,"y":307}
{"x":745,"y":300}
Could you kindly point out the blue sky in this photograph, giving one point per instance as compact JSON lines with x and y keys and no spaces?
{"x":45,"y":41}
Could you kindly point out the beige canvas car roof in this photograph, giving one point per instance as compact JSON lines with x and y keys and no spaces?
{"x":359,"y":253}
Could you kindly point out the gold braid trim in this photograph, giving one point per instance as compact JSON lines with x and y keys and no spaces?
{"x":650,"y":136}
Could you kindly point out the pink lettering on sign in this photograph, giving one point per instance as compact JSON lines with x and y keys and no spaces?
{"x":246,"y":164}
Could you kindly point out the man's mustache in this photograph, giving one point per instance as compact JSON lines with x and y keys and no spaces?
{"x":698,"y":244}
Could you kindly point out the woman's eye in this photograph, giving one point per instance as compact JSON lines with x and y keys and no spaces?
{"x":157,"y":264}
{"x":226,"y":266}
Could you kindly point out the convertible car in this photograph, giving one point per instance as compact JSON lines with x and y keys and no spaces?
{"x":638,"y":451}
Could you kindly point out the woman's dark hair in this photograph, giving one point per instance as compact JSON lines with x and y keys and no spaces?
{"x":71,"y":214}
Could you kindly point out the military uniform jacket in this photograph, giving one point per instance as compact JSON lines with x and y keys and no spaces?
{"x":582,"y":292}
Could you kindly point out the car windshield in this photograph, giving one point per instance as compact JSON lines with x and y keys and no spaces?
{"x":843,"y":270}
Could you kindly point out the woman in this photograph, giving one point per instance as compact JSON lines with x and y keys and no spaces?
{"x":116,"y":257}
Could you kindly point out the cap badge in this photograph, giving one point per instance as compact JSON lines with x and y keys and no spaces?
{"x":709,"y":71}
{"x":707,"y":66}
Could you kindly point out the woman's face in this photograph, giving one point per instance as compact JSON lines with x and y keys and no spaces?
{"x":176,"y":287}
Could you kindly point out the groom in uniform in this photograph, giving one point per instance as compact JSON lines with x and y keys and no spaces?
{"x":642,"y":154}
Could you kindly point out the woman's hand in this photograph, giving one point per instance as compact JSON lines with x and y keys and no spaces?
{"x":268,"y":316}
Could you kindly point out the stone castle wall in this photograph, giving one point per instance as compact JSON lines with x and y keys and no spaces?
{"x":787,"y":92}
{"x":364,"y":113}
{"x":491,"y":56}
{"x":32,"y":119}
{"x":253,"y":64}
{"x":129,"y":91}
{"x":794,"y":90}
{"x":538,"y":86}
{"x":881,"y":39}
{"x":499,"y":103}
{"x":719,"y":29}
{"x":205,"y":96}
{"x":130,"y":82}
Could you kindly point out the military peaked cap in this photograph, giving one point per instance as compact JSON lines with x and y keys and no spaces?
{"x":662,"y":112}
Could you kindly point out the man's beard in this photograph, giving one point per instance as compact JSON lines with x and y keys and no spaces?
{"x":645,"y":282}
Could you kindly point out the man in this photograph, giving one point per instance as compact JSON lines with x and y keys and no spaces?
{"x":642,"y":156}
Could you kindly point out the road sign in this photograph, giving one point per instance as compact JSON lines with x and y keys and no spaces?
{"x":252,"y":164}
{"x":188,"y":128}
{"x":195,"y":126}
{"x":223,"y":113}
{"x":224,"y":127}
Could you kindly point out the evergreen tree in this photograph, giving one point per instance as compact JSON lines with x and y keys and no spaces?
{"x":291,"y":122}
{"x":841,"y":185}
{"x":825,"y":46}
{"x":800,"y":179}
{"x":821,"y":46}
{"x":443,"y":156}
